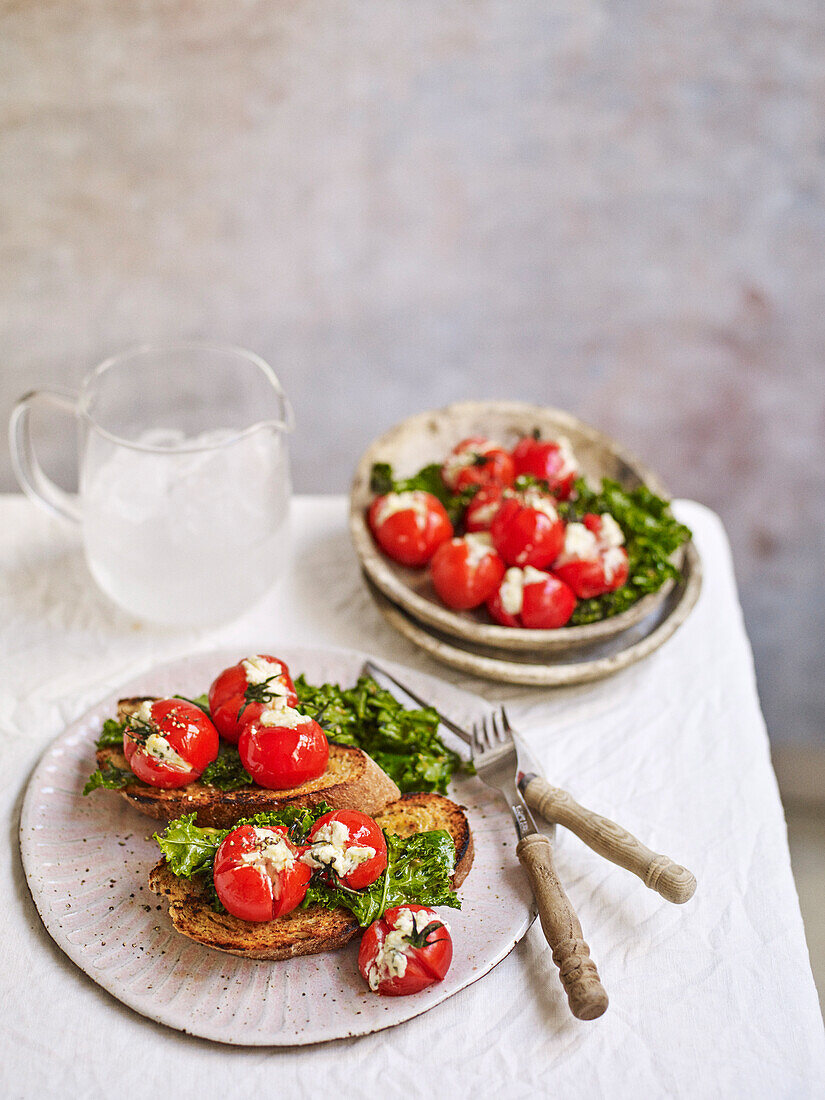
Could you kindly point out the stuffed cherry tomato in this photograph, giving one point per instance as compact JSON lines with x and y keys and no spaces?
{"x":477,"y":461}
{"x":282,"y":748}
{"x":527,"y":530}
{"x":404,"y":951}
{"x":350,"y":844}
{"x":243,"y":691}
{"x":259,"y":874}
{"x":465,"y":571}
{"x":593,"y":560}
{"x":548,"y":460}
{"x":169,"y":742}
{"x":481,"y":511}
{"x":409,"y":527}
{"x":533,"y":599}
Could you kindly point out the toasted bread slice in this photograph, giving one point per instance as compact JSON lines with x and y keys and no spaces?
{"x":352,"y":781}
{"x":304,"y":931}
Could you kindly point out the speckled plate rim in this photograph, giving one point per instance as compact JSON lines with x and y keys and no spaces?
{"x":53,"y":803}
{"x":395,"y":582}
{"x":545,"y":674}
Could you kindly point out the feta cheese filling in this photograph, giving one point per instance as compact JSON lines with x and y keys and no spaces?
{"x":611,"y":533}
{"x":580,"y":544}
{"x":413,"y":499}
{"x":511,"y":591}
{"x":284,"y":716}
{"x":159,"y":748}
{"x":479,"y":546}
{"x":258,"y":670}
{"x":329,"y":849}
{"x":271,"y":853}
{"x":569,"y":465}
{"x":391,"y":960}
{"x":538,"y":503}
{"x":612,"y":560}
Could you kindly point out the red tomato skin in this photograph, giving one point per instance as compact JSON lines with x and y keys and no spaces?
{"x":497,"y":467}
{"x":587,"y":578}
{"x":191,"y":735}
{"x":546,"y":605}
{"x":526,"y":536}
{"x":408,"y":537}
{"x":363,"y":833}
{"x":226,"y":699}
{"x":459,"y":584}
{"x":425,"y":965}
{"x":481,"y":511}
{"x":247,"y":891}
{"x":280,"y":758}
{"x":544,"y":460}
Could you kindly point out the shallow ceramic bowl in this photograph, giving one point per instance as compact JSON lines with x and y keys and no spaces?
{"x":428,"y":437}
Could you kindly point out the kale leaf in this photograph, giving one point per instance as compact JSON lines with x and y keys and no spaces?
{"x":111,"y":777}
{"x":405,"y":743}
{"x":111,"y":734}
{"x":226,"y":772}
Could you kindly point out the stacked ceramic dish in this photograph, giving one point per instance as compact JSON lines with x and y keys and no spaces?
{"x":468,"y":640}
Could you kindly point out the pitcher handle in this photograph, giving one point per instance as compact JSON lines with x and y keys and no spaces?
{"x":28,"y":470}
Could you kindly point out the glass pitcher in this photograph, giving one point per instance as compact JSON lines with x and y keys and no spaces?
{"x":184,"y":486}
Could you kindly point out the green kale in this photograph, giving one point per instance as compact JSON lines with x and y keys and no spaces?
{"x":651,"y":532}
{"x":111,"y":734}
{"x":428,"y":479}
{"x":226,"y":772}
{"x":405,"y":743}
{"x":419,"y":870}
{"x":111,"y":777}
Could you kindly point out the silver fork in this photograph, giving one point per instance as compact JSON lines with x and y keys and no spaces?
{"x":500,"y":758}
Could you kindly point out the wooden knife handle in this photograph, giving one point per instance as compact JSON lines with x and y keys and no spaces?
{"x":673,"y":882}
{"x":562,"y":930}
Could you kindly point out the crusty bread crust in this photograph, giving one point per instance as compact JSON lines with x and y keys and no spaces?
{"x":352,"y":781}
{"x":304,"y":931}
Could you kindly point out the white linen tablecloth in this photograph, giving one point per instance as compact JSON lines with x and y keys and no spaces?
{"x":711,"y":999}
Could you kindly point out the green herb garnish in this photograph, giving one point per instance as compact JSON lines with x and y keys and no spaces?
{"x":428,"y":479}
{"x":405,"y":743}
{"x":227,"y":773}
{"x":651,"y":534}
{"x":201,"y":701}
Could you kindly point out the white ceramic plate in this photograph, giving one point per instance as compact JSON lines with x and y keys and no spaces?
{"x":87,"y":862}
{"x":428,"y":437}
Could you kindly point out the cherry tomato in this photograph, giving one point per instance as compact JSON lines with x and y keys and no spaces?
{"x":259,"y":874}
{"x":243,"y":691}
{"x":481,"y":511}
{"x":465,"y":571}
{"x":532,"y":599}
{"x":527,"y":530}
{"x":169,"y":742}
{"x":409,"y":527}
{"x":548,"y":460}
{"x":282,"y":749}
{"x":350,"y":844}
{"x":404,"y":951}
{"x":593,"y":560}
{"x":477,"y":461}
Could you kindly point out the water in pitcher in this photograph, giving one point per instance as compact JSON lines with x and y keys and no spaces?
{"x":187,"y":535}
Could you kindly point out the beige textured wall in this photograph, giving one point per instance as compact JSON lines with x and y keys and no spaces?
{"x":612,"y":207}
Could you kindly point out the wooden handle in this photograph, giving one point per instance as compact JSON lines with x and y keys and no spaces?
{"x":673,"y":882}
{"x":562,"y":930}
